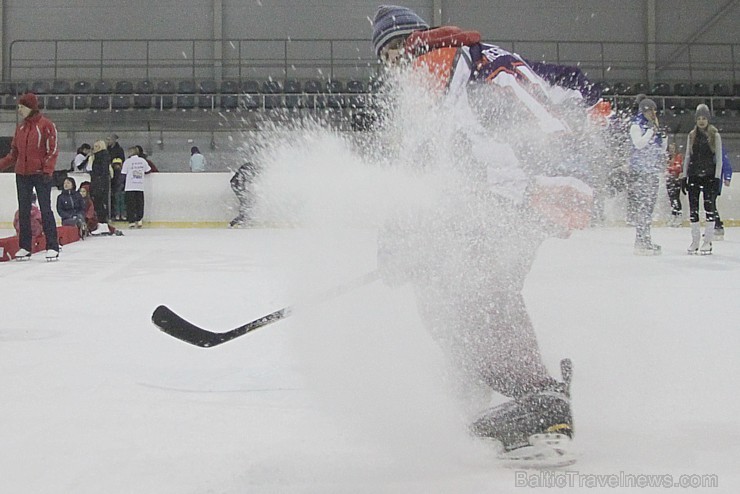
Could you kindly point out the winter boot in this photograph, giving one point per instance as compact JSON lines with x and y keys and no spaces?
{"x":706,"y":246}
{"x":533,"y":429}
{"x":22,"y":255}
{"x":695,"y":238}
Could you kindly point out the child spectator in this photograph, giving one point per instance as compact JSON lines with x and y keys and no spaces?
{"x":133,"y":171}
{"x":673,"y":184}
{"x":37,"y":225}
{"x":142,"y":154}
{"x":91,"y":218}
{"x":71,"y":206}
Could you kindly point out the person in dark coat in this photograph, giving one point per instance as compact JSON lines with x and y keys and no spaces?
{"x":71,"y":205}
{"x":100,"y":180}
{"x":117,"y":157}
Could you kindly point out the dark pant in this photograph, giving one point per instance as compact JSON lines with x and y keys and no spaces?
{"x":707,"y":187}
{"x":100,"y":195}
{"x":673,"y":187}
{"x":25,"y":185}
{"x":134,"y":205}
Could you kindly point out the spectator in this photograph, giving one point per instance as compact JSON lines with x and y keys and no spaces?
{"x":702,"y":169}
{"x":241,"y":185}
{"x":79,"y":161}
{"x":673,"y":184}
{"x":117,"y":156}
{"x":142,"y":154}
{"x":100,"y":180}
{"x":133,"y":171}
{"x":37,"y":225}
{"x":197,"y":160}
{"x":91,"y":219}
{"x":646,"y":163}
{"x":71,"y":206}
{"x":34,"y":153}
{"x":719,"y":227}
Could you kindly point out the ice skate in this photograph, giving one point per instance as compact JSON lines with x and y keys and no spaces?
{"x":139,"y":224}
{"x":534,"y":430}
{"x":132,"y":224}
{"x":695,"y":238}
{"x":706,"y":246}
{"x":647,"y":249}
{"x":52,"y":255}
{"x":22,"y":255}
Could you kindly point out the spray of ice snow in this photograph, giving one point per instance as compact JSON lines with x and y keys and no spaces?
{"x":424,"y":179}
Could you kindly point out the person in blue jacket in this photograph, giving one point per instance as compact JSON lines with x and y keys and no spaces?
{"x":719,"y":227}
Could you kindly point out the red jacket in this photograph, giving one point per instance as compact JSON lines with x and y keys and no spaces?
{"x":34,"y":148}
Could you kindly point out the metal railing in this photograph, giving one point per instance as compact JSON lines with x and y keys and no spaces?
{"x":295,"y":58}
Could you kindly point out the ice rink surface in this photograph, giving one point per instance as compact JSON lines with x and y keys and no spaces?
{"x":351,"y":395}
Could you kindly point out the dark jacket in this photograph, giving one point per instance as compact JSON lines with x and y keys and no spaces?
{"x":100,"y":174}
{"x":117,"y":157}
{"x":70,"y":205}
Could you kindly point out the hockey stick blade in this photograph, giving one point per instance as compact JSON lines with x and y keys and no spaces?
{"x":174,"y":325}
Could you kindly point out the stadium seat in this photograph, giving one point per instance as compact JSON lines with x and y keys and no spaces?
{"x":207,"y":89}
{"x":80,"y":102}
{"x":57,"y":102}
{"x":249,"y":86}
{"x":7,"y":88}
{"x":102,"y":87}
{"x":82,"y":87}
{"x":702,"y":89}
{"x":144,"y":86}
{"x":185,"y":98}
{"x":313,"y":89}
{"x":356,"y":99}
{"x":99,"y":102}
{"x":620,"y":88}
{"x":40,"y":87}
{"x":229,"y":95}
{"x":272,"y":94}
{"x":10,"y":102}
{"x":661,"y":89}
{"x":163,"y":101}
{"x":638,"y":88}
{"x":121,"y":102}
{"x":334,"y":98}
{"x":124,"y":87}
{"x":60,"y":86}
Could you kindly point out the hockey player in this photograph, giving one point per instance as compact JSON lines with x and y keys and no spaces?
{"x":468,"y":254}
{"x":702,"y":168}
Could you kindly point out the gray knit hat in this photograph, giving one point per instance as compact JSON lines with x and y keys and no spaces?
{"x":647,"y":104}
{"x":702,"y":111}
{"x":392,"y":21}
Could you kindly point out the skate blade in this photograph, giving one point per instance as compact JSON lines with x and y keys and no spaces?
{"x":549,"y":450}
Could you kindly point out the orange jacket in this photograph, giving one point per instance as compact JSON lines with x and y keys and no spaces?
{"x":34,"y":148}
{"x":675,"y":165}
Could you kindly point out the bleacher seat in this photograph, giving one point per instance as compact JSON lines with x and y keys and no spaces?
{"x":207,"y":89}
{"x":661,"y":89}
{"x":249,"y":86}
{"x":143,"y":94}
{"x":99,"y":102}
{"x":229,"y":95}
{"x":80,"y":102}
{"x":124,"y":87}
{"x":102,"y":87}
{"x":82,"y":87}
{"x":702,"y":89}
{"x":334,"y":98}
{"x":638,"y":88}
{"x":57,"y":102}
{"x":40,"y":87}
{"x":61,"y":86}
{"x":186,"y":90}
{"x":272,"y":94}
{"x":163,"y":100}
{"x":314,"y":91}
{"x":121,"y":101}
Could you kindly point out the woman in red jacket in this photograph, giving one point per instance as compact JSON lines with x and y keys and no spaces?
{"x":34,"y":153}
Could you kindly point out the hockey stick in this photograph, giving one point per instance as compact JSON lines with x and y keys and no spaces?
{"x":172,"y":324}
